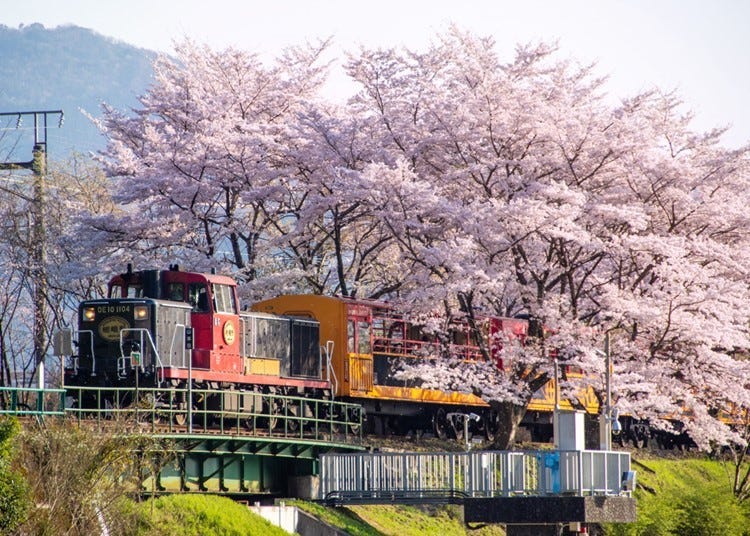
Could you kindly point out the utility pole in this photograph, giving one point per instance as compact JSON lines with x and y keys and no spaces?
{"x":38,"y":253}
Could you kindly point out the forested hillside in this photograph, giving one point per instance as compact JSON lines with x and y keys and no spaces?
{"x":68,"y":68}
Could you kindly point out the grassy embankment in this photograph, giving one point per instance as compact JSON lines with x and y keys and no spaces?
{"x":198,"y":515}
{"x":685,"y":496}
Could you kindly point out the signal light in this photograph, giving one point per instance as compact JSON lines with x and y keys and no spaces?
{"x":188,"y":338}
{"x":89,"y":314}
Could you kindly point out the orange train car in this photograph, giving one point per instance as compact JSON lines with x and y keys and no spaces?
{"x":365,"y":340}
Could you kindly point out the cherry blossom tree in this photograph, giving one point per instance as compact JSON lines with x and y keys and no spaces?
{"x":329,"y":231}
{"x":201,"y":155}
{"x":523,"y":191}
{"x":242,"y":166}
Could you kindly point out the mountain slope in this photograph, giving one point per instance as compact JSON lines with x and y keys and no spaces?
{"x":68,"y":68}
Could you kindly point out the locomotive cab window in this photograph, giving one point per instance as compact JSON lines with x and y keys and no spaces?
{"x":134,"y":291}
{"x":127,"y":291}
{"x":198,"y":297}
{"x":176,"y":291}
{"x":224,"y":299}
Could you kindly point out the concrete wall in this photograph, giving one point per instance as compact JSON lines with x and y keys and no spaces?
{"x":306,"y":488}
{"x":279,"y":515}
{"x":293,"y":520}
{"x":308,"y":525}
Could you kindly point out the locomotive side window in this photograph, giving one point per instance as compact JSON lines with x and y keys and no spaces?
{"x":224,"y":299}
{"x":176,"y":291}
{"x":198,"y":297}
{"x":115,"y":291}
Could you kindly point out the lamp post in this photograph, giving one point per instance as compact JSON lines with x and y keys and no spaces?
{"x":608,"y":419}
{"x":605,"y":418}
{"x":556,"y":411}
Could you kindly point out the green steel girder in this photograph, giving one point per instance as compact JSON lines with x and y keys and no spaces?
{"x":235,"y":474}
{"x":255,"y":446}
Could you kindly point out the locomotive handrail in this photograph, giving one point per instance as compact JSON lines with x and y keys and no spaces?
{"x":91,"y":343}
{"x":76,"y":334}
{"x":331,"y":373}
{"x":150,"y":342}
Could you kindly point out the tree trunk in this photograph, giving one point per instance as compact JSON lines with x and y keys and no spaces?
{"x":509,"y":417}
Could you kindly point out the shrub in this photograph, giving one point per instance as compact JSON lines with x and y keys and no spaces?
{"x":14,"y":491}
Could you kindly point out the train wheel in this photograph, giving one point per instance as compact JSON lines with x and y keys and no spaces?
{"x":180,"y":416}
{"x":353,"y":418}
{"x":269,"y":420}
{"x":292,"y":416}
{"x":491,"y":425}
{"x":331,"y":419}
{"x":440,"y":424}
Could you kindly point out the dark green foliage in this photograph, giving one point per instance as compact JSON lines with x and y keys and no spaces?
{"x":14,"y":492}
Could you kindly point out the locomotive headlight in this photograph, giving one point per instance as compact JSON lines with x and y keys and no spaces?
{"x":140,"y":312}
{"x":89,"y":314}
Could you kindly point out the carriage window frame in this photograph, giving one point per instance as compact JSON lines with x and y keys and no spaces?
{"x":364,"y":337}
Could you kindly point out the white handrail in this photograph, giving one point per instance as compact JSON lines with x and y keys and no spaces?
{"x":475,"y":474}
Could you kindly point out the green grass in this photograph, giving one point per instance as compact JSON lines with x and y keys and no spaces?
{"x":395,"y":520}
{"x":198,"y":515}
{"x":691,"y":497}
{"x":341,"y":518}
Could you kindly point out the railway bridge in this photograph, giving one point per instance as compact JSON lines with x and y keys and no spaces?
{"x":258,"y":446}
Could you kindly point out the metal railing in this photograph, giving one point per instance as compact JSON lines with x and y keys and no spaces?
{"x":383,"y":477}
{"x":31,"y":401}
{"x":214,"y":412}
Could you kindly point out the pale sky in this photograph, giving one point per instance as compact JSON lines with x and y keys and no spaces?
{"x":697,"y":47}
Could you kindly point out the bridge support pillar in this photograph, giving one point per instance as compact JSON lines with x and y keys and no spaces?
{"x":550,"y":510}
